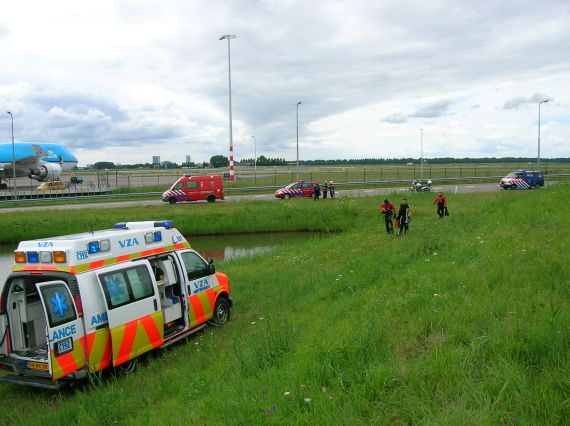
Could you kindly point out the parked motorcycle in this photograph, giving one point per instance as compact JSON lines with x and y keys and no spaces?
{"x":417,"y":186}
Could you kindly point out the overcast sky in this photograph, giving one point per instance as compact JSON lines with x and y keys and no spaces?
{"x":124,"y":80}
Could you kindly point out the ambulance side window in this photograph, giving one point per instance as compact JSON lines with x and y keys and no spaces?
{"x":194,"y":265}
{"x":126,"y":286}
{"x":191,"y":185}
{"x":58,"y":303}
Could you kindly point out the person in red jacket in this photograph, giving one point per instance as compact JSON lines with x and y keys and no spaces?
{"x":388,"y":210}
{"x":441,"y":204}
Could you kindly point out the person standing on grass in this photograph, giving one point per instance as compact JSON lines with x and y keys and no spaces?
{"x":441,"y":204}
{"x":316,"y":191}
{"x":404,"y":217}
{"x":331,"y":188}
{"x":388,"y":209}
{"x":325,"y":190}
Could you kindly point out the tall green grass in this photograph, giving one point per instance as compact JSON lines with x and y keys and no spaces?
{"x":464,"y":321}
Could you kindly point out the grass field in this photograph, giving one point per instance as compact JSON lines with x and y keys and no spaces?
{"x":464,"y":321}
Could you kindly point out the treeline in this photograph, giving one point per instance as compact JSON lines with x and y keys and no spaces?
{"x":262,"y":160}
{"x":438,"y":160}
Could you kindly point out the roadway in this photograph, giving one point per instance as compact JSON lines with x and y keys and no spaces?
{"x":370,"y":192}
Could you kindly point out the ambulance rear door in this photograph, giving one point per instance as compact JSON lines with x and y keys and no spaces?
{"x":66,"y":337}
{"x":133,"y":309}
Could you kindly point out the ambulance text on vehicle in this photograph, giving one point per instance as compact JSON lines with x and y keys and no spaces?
{"x":78,"y":304}
{"x":195,"y":188}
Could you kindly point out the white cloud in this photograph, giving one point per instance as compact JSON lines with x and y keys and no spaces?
{"x":101,"y":76}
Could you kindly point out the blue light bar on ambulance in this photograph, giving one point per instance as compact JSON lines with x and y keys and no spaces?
{"x":93,"y":247}
{"x":121,"y":225}
{"x":164,"y":224}
{"x":33,"y":257}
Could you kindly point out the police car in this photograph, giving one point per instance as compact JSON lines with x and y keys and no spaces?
{"x":78,"y":304}
{"x":300,"y":189}
{"x":523,"y":179}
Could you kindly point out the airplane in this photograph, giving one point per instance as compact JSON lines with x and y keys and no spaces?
{"x":36,"y":160}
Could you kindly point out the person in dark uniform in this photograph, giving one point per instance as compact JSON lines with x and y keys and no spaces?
{"x":388,"y":209}
{"x":325,"y":189}
{"x":441,"y":204}
{"x":331,"y":188}
{"x":316,"y":191}
{"x":404,"y":216}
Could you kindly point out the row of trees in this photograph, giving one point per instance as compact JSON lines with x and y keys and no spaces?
{"x":218,"y":161}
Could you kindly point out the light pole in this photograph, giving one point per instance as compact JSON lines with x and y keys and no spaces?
{"x":13,"y":154}
{"x":298,"y":103}
{"x":422,"y":153}
{"x":538,"y":157}
{"x":254,"y":159}
{"x":229,"y":37}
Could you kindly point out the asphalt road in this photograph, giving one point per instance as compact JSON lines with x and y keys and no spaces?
{"x":448,"y":189}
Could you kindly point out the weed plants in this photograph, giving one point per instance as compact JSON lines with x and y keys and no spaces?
{"x":464,"y":321}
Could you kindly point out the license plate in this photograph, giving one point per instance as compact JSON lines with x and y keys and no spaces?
{"x":42,"y":366}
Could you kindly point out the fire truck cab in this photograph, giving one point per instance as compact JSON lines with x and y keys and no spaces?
{"x":78,"y":304}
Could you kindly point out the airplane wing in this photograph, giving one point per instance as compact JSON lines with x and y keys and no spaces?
{"x":32,"y":160}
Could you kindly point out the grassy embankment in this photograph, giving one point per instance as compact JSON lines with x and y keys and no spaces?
{"x":464,"y":321}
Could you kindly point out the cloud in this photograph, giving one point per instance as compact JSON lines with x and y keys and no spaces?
{"x":437,"y":109}
{"x":396,"y":119}
{"x":514,"y":103}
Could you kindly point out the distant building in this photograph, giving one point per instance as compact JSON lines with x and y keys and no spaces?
{"x":188,"y":158}
{"x":156,"y":160}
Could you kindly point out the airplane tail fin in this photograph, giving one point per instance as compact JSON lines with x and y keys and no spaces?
{"x":39,"y":151}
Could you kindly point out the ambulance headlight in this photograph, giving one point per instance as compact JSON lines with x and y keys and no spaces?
{"x":46,"y":257}
{"x":93,"y":247}
{"x":104,"y":245}
{"x":33,"y":257}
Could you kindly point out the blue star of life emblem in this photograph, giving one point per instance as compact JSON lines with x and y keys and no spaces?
{"x":58,"y":302}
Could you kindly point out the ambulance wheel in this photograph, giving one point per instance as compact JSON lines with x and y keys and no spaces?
{"x":211,"y":198}
{"x":172,"y":200}
{"x":129,"y":366}
{"x":286,"y":196}
{"x":513,"y":187}
{"x":221,"y":312}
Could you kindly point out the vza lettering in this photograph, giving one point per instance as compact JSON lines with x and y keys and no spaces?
{"x":201,"y":285}
{"x":99,"y":319}
{"x":63,"y":332}
{"x":129,"y":242}
{"x":45,"y":244}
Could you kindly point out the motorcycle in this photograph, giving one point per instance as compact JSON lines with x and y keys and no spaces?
{"x":420,"y":187}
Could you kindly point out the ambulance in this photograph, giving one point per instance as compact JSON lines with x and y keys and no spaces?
{"x":79,"y":304}
{"x":195,"y":188}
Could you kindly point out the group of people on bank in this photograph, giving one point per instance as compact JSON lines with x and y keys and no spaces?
{"x":402,"y":217}
{"x":327,"y":187}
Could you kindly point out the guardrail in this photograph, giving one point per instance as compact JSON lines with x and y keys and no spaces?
{"x":70,"y":197}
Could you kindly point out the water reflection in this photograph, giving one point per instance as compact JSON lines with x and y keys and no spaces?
{"x":219,"y":247}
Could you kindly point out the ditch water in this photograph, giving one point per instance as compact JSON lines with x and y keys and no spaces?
{"x":219,"y":247}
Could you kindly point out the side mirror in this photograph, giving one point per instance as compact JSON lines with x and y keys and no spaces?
{"x":211,"y":267}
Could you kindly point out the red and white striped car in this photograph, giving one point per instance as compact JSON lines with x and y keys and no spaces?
{"x":300,"y":189}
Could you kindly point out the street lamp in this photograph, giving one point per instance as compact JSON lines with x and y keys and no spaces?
{"x":13,"y":154}
{"x":541,"y":102}
{"x":298,"y":103}
{"x":254,"y":159}
{"x":229,"y":37}
{"x":422,"y":153}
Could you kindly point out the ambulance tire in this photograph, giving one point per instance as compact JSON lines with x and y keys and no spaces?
{"x":129,"y":366}
{"x":211,"y":198}
{"x":172,"y":200}
{"x":221,"y":312}
{"x":286,"y":196}
{"x":513,"y":186}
